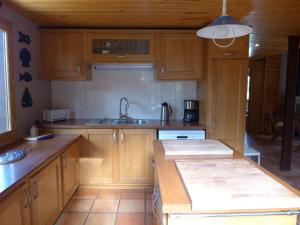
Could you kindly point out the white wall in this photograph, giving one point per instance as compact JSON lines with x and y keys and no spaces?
{"x":40,"y":90}
{"x":100,"y":97}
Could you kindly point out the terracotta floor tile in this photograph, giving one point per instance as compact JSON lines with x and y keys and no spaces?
{"x":105,"y":205}
{"x":101,"y":219}
{"x":132,"y":205}
{"x":149,"y":219}
{"x":133,"y":194}
{"x":109,"y":194}
{"x":80,"y":205}
{"x":86,"y":194}
{"x":130,"y":219}
{"x":71,"y":219}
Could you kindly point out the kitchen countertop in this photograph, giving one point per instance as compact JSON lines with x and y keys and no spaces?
{"x":13,"y":174}
{"x":150,"y":124}
{"x":177,"y":200}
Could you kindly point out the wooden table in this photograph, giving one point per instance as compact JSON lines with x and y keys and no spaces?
{"x":175,"y":207}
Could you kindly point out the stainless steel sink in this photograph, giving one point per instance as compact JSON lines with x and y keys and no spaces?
{"x":117,"y":122}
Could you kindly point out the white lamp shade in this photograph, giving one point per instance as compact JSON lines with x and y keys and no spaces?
{"x":224,"y":27}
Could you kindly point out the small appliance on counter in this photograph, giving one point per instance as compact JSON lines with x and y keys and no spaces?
{"x":166,"y":111}
{"x":191,"y":111}
{"x":53,"y":115}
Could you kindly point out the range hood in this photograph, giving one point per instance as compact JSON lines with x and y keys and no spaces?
{"x":123,"y":66}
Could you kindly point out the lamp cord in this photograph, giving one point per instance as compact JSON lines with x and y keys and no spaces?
{"x":224,"y":8}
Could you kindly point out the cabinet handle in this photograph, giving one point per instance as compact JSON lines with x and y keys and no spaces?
{"x":36,"y":189}
{"x":120,"y":56}
{"x":115,"y":136}
{"x":213,"y":123}
{"x":228,"y":54}
{"x":153,"y":163}
{"x":27,"y":202}
{"x":121,"y":136}
{"x":64,"y":161}
{"x":78,"y":67}
{"x":162,"y":69}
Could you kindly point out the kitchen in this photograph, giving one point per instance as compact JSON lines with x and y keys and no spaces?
{"x":115,"y":82}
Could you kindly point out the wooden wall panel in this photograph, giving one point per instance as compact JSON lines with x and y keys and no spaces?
{"x":256,"y":100}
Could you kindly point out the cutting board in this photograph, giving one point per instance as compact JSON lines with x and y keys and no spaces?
{"x":235,"y":185}
{"x":204,"y":148}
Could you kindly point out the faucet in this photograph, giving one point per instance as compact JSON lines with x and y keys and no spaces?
{"x":124,"y":116}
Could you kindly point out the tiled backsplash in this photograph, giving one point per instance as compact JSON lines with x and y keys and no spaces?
{"x":100,"y":97}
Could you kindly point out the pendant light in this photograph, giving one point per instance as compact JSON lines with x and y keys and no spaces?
{"x":224,"y":27}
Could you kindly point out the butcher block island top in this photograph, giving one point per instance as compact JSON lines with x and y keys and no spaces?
{"x":229,"y":185}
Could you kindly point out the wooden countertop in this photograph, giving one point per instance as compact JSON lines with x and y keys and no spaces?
{"x":150,"y":124}
{"x":176,"y":199}
{"x":13,"y":174}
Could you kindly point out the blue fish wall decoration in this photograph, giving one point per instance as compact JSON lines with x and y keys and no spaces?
{"x":26,"y":77}
{"x":24,"y":38}
{"x":25,"y":57}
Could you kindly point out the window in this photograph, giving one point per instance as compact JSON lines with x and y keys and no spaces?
{"x":7,"y":117}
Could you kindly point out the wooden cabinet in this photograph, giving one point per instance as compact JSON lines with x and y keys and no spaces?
{"x":228,"y":101}
{"x":135,"y":156}
{"x":180,"y":56}
{"x":15,"y":208}
{"x":222,"y":93}
{"x":117,"y":157}
{"x":70,"y":171}
{"x":46,"y":194}
{"x":120,"y":46}
{"x":97,"y":161}
{"x":62,"y":55}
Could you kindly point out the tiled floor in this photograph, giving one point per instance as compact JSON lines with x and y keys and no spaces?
{"x":108,"y":207}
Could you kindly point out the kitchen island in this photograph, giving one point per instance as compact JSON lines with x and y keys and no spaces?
{"x":220,"y":191}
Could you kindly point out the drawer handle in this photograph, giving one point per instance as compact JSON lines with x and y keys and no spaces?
{"x":228,"y":54}
{"x":64,"y":161}
{"x":36,"y":190}
{"x":27,"y":202}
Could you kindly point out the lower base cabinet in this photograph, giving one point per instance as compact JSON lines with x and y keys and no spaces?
{"x":70,"y":171}
{"x":15,"y":208}
{"x":46,"y":194}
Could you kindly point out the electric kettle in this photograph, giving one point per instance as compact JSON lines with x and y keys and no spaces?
{"x":166,"y":111}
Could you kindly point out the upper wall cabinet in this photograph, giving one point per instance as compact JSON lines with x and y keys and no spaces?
{"x":179,"y":56}
{"x":120,"y":46}
{"x":62,"y":55}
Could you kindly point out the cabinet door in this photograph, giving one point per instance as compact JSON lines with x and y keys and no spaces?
{"x":46,"y":194}
{"x":120,"y":47}
{"x":97,"y":162}
{"x":180,"y":57}
{"x":228,"y":102}
{"x":136,"y":155}
{"x":15,"y":208}
{"x":70,"y":171}
{"x":62,"y":55}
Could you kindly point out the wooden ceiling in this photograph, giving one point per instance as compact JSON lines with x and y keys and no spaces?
{"x":272,"y":20}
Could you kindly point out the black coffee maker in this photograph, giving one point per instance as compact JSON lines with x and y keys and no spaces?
{"x":191,"y":111}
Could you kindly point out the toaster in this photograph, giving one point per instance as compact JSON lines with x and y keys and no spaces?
{"x":53,"y":115}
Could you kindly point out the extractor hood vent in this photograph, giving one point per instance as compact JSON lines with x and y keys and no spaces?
{"x":123,"y":66}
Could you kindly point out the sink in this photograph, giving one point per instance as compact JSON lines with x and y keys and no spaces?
{"x":117,"y":122}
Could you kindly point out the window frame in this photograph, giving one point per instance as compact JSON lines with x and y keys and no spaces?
{"x":9,"y":136}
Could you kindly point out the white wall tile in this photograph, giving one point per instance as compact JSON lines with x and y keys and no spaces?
{"x":100,"y":97}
